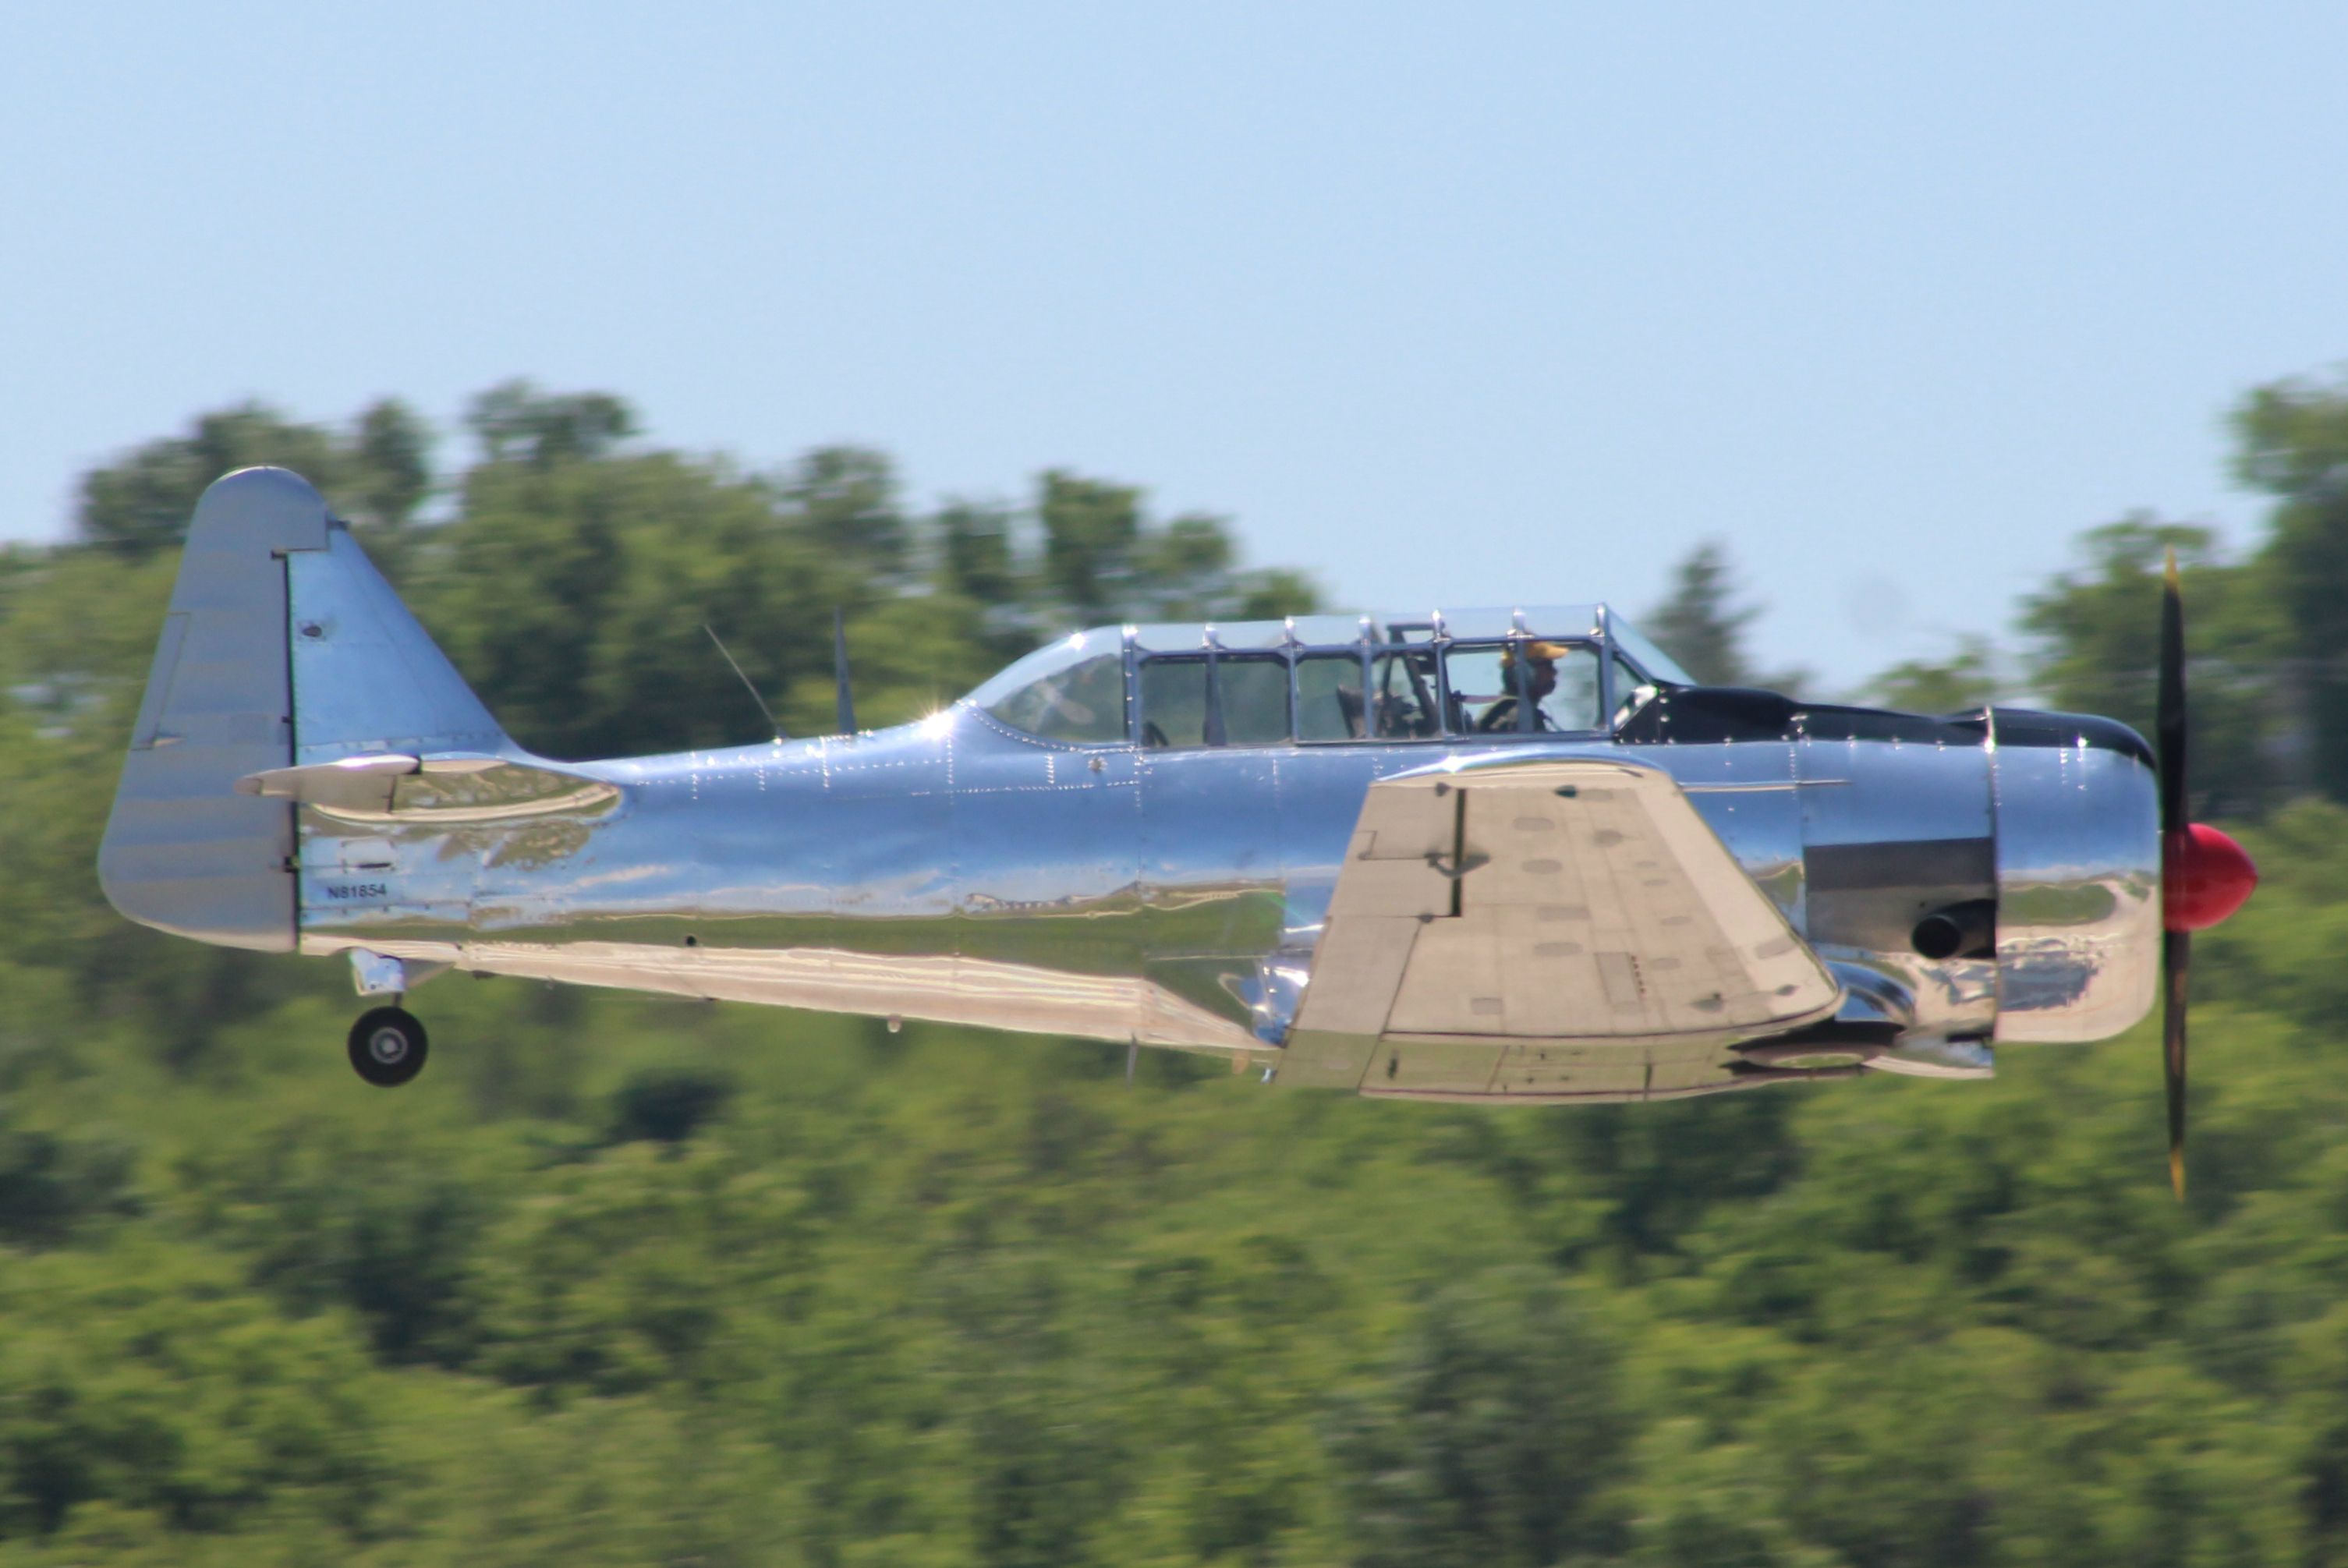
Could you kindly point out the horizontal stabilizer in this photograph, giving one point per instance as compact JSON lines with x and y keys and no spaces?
{"x":453,"y":787}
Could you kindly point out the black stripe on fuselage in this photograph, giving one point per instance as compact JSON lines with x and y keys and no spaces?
{"x":1713,"y":716}
{"x":1902,"y":863}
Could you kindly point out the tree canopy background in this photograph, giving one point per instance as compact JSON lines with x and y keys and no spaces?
{"x":627,"y":1280}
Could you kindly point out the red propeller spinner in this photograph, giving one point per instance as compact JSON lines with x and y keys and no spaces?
{"x":2204,"y":875}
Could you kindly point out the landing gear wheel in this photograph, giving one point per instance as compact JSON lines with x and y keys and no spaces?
{"x":389,"y":1047}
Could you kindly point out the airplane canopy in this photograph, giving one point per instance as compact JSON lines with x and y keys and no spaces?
{"x":1594,"y":621}
{"x":1077,"y":688}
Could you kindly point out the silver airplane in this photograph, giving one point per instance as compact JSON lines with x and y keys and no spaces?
{"x":1503,"y":856}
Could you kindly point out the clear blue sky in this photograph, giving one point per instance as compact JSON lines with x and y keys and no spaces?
{"x":1455,"y":305}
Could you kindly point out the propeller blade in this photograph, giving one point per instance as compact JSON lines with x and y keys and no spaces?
{"x":2170,"y":715}
{"x":2175,"y":946}
{"x":2175,"y":952}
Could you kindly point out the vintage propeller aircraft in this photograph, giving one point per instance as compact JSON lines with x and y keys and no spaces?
{"x":1507,"y":856}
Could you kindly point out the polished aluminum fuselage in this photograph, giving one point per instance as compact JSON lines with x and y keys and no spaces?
{"x":1140,"y":833}
{"x":958,"y":869}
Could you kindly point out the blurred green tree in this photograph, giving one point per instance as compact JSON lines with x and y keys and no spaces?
{"x":1968,"y":678}
{"x":1703,"y":626}
{"x":2292,"y":443}
{"x":1091,"y":530}
{"x":378,"y":472}
{"x":517,"y":423}
{"x":1497,"y":1437}
{"x":2097,"y":632}
{"x":1700,"y":624}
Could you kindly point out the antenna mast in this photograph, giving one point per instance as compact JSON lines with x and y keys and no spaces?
{"x":839,"y":665}
{"x":763,"y":709}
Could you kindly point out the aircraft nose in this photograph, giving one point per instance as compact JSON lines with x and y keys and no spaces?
{"x":2205,"y":877}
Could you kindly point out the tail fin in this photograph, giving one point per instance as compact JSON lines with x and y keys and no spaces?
{"x":283,"y":646}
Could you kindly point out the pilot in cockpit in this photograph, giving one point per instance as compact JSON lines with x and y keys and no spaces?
{"x":1539,"y":682}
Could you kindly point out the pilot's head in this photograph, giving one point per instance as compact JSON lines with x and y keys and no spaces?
{"x":1541,"y":665}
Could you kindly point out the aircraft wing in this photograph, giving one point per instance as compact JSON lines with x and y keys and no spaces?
{"x":1558,"y":928}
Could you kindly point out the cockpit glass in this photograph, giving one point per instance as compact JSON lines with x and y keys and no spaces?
{"x":1486,"y":685}
{"x":1572,"y":702}
{"x":1633,"y":691}
{"x":1479,"y":688}
{"x":1254,"y":695}
{"x":1659,"y":664}
{"x":1071,"y":691}
{"x":1329,"y":697}
{"x":1238,"y":699}
{"x":1402,"y":694}
{"x":1406,"y":679}
{"x":1174,"y":701}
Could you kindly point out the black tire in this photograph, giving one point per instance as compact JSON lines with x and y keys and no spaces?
{"x":389,"y":1047}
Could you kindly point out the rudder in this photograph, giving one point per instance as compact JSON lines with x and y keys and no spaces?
{"x":283,"y":644}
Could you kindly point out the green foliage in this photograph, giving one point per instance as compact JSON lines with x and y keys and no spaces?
{"x":52,"y":1183}
{"x":376,"y":472}
{"x":575,"y":594}
{"x":1497,"y":1434}
{"x":1103,"y":560}
{"x":2293,"y":445}
{"x":626,"y":1280}
{"x":393,"y":449}
{"x":668,"y":1104}
{"x":2281,"y":953}
{"x":1699,"y":624}
{"x":1090,"y":533}
{"x":1967,"y":680}
{"x":517,"y":423}
{"x":1703,"y":626}
{"x":576,"y":580}
{"x":2099,"y":638}
{"x":845,"y":498}
{"x":2265,"y":644}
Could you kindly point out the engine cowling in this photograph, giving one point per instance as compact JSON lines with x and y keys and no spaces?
{"x":2078,"y":875}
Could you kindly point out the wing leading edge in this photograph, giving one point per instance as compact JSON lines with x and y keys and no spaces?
{"x":1566,"y":928}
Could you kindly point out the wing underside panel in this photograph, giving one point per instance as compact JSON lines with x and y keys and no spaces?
{"x":1555,"y":928}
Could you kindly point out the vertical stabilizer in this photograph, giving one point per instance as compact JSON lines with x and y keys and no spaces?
{"x":366,"y":677}
{"x":283,"y":646}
